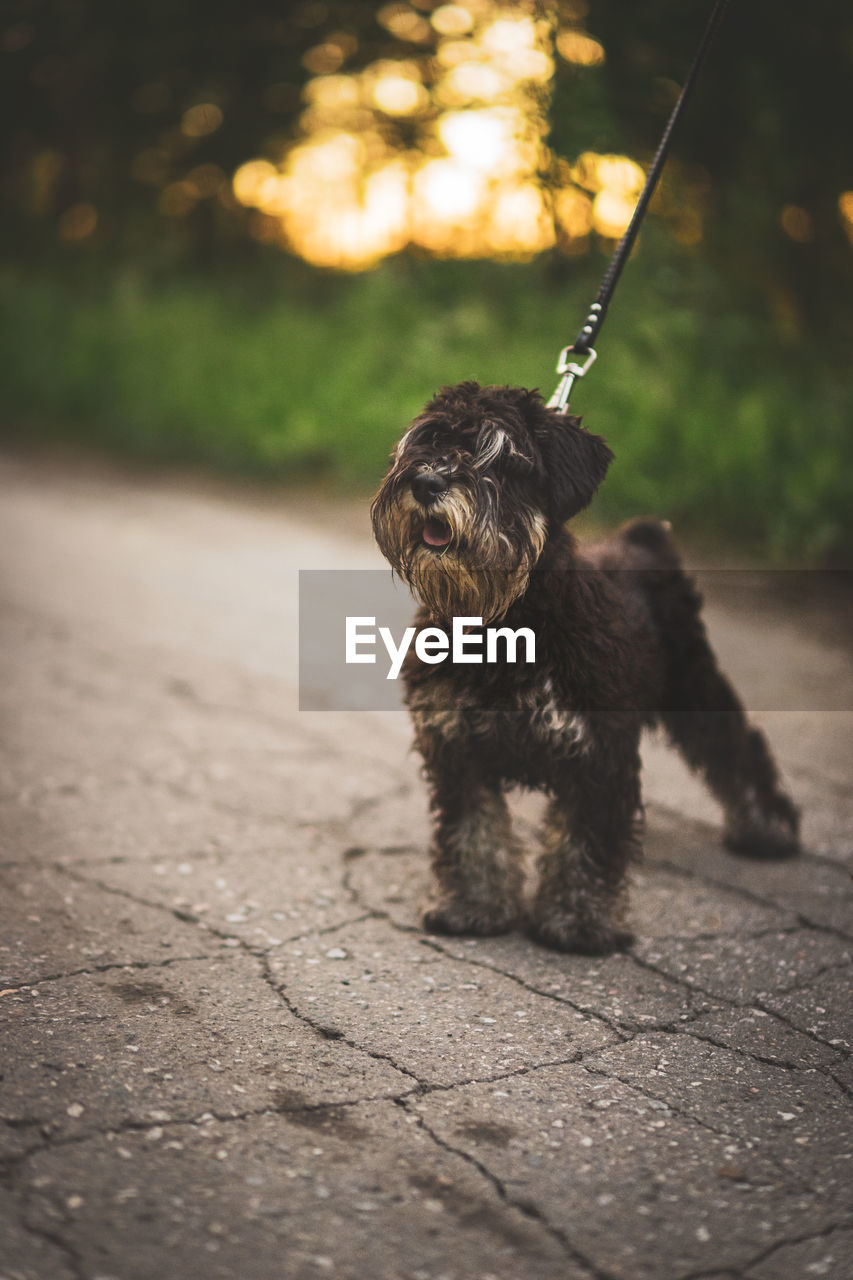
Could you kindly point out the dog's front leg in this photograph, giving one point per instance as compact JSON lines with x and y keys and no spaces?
{"x":476,"y":859}
{"x":590,"y":838}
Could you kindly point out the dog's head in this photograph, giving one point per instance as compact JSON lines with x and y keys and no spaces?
{"x":476,"y":487}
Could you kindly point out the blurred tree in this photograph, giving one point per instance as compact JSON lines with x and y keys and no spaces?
{"x":112,"y":113}
{"x":764,"y":149}
{"x":123,"y":124}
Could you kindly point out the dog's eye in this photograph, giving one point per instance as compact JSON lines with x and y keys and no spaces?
{"x":452,"y":448}
{"x":516,"y":464}
{"x":501,"y":454}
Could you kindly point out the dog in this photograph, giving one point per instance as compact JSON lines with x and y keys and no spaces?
{"x":472,"y":515}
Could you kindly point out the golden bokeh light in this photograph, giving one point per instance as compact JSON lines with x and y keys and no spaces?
{"x":611,"y":212}
{"x":471,"y":82}
{"x":596,"y":172}
{"x":324,"y":58}
{"x":580,"y":49}
{"x":250,"y":179}
{"x":508,"y":35}
{"x":397,"y":96}
{"x":333,"y":92}
{"x":519,"y":222}
{"x":395,"y":87}
{"x":404,"y":23}
{"x":452,"y":20}
{"x":573,"y":213}
{"x":78,"y":222}
{"x":445,"y":150}
{"x":452,"y":53}
{"x":482,"y":140}
{"x":797,"y":223}
{"x":200,"y":120}
{"x":448,"y":191}
{"x":845,"y":208}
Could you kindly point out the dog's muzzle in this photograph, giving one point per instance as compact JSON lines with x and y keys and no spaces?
{"x":427,"y":486}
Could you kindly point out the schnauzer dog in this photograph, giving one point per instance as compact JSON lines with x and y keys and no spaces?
{"x":471,"y":514}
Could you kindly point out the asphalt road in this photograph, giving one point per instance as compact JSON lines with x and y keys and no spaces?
{"x":228,"y":1050}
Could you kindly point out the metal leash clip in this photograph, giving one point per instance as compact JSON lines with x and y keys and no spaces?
{"x":570,"y":370}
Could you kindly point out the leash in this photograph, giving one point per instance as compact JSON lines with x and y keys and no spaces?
{"x":582,"y":346}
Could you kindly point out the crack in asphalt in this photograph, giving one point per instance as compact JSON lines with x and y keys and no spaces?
{"x":691,"y":1118}
{"x":768,"y":1252}
{"x":359,"y":806}
{"x":800,"y":984}
{"x":753,"y":1003}
{"x":333,"y":1033}
{"x":746,"y":935}
{"x":105,"y":968}
{"x":823,"y":1234}
{"x":53,"y":1237}
{"x":612,"y":1024}
{"x":621,"y":1027}
{"x":750,"y":895}
{"x":527,"y":1208}
{"x":767,"y":1060}
{"x":187,"y":916}
{"x":421,"y":1087}
{"x":261,"y":956}
{"x":653,"y":1097}
{"x":840,"y":1084}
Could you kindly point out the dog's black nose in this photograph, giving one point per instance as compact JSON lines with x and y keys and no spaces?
{"x":428,"y":486}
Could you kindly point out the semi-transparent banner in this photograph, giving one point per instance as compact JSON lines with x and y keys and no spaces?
{"x":783,"y":637}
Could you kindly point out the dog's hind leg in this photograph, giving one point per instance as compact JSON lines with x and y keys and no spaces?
{"x":476,"y":858}
{"x":707,"y":723}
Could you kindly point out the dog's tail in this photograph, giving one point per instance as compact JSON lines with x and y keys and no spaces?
{"x":654,"y":538}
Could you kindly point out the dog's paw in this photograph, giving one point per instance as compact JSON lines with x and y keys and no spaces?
{"x":462,"y":915}
{"x":566,"y":932}
{"x":754,"y":833}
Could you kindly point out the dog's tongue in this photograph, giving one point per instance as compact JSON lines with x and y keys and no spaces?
{"x":436,"y":533}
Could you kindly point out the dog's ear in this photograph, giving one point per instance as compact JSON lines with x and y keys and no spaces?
{"x":575,"y":463}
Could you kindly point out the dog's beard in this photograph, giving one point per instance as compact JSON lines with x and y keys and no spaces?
{"x":480,"y":571}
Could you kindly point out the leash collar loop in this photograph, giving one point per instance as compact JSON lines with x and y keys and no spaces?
{"x":570,"y":370}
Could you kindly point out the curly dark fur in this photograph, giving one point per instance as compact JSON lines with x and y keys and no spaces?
{"x":472,"y":515}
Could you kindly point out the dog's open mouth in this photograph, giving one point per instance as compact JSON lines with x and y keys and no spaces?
{"x":437,"y":534}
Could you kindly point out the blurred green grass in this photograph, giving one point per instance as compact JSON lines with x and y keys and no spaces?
{"x":716,"y":423}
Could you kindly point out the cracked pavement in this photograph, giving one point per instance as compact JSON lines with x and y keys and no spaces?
{"x":228,"y":1049}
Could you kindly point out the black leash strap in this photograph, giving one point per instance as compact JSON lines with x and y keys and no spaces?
{"x":582,"y":347}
